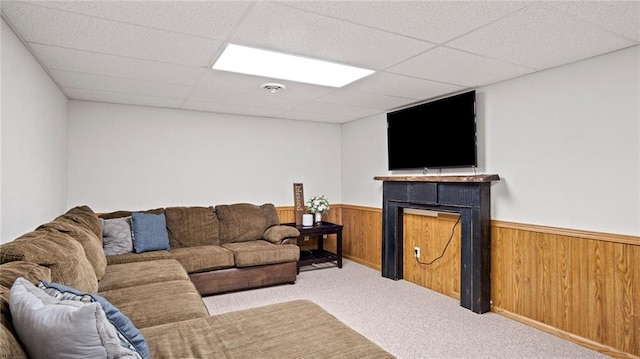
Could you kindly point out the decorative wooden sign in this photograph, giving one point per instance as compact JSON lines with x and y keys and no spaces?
{"x":298,"y":202}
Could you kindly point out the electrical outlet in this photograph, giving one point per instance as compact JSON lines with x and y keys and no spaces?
{"x":416,"y":252}
{"x":306,"y":238}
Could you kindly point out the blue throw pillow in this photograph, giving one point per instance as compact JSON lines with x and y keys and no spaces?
{"x":130,"y":336}
{"x":149,"y":232}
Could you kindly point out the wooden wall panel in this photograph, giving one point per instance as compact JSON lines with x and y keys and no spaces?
{"x":431,"y":234}
{"x":586,"y":289}
{"x":362,"y":235}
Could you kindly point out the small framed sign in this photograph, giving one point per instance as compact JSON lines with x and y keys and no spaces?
{"x":298,"y":202}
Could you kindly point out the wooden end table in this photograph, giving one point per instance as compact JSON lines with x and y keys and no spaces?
{"x":319,"y":255}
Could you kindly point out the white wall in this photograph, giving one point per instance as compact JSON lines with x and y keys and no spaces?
{"x":34,"y":142}
{"x":133,"y":157}
{"x":566,"y":143}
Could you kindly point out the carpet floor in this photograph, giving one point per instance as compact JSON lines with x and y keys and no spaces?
{"x":405,"y":319}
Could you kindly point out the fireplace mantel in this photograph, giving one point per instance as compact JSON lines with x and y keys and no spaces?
{"x":472,"y":178}
{"x":468,"y":196}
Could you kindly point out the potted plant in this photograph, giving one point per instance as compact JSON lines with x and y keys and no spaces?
{"x":318,"y":205}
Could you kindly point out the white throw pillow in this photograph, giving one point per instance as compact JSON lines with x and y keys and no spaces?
{"x":52,"y":328}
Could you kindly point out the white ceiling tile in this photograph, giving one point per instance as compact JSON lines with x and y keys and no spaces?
{"x":337,"y":109}
{"x":458,"y":68}
{"x":211,"y":19}
{"x":316,"y":117}
{"x":41,"y":25}
{"x":234,"y":97}
{"x":58,"y":58}
{"x":234,"y":88}
{"x":540,"y":36}
{"x":436,"y":21}
{"x":280,"y":28}
{"x":365,"y":99}
{"x":113,"y":97}
{"x":622,"y":17}
{"x":403,"y":86}
{"x":79,"y":80}
{"x":230,"y":108}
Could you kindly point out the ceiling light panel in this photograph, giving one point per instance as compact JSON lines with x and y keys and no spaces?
{"x":278,"y":65}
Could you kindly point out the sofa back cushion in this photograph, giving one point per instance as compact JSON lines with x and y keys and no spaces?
{"x":85,"y":217}
{"x":9,"y":345}
{"x":242,"y":222}
{"x":32,"y":272}
{"x":91,"y":243}
{"x":123,"y":213}
{"x":192,"y":226}
{"x":57,"y":251}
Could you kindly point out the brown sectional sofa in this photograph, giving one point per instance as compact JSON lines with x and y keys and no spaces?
{"x":226,"y":248}
{"x":161,"y":291}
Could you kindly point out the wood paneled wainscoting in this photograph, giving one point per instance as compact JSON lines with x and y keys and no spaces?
{"x":582,"y":286}
{"x":579,"y":285}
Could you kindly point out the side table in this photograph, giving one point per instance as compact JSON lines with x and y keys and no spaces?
{"x":319,"y":255}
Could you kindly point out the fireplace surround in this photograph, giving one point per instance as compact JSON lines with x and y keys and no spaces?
{"x":468,"y":196}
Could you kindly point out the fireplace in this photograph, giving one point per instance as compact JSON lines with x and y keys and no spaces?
{"x":469,"y":196}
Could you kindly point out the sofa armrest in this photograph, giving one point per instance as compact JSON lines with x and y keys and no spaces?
{"x":279,"y":234}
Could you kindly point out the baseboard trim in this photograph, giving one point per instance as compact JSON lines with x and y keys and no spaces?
{"x":604,"y":349}
{"x":364,"y":263}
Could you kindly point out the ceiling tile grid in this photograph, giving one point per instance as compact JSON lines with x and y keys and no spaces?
{"x":159,"y":53}
{"x":58,"y":58}
{"x":544,"y":37}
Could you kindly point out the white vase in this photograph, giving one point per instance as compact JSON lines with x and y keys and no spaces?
{"x":318,"y":218}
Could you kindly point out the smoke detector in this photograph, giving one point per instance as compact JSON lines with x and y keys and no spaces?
{"x":273,"y":87}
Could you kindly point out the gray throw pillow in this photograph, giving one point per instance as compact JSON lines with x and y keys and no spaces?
{"x":116,"y":236}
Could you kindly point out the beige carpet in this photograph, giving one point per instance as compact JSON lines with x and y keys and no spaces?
{"x":405,"y":319}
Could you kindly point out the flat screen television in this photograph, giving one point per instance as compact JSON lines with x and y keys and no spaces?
{"x":436,"y":134}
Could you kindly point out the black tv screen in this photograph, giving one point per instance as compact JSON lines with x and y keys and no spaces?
{"x":436,"y":134}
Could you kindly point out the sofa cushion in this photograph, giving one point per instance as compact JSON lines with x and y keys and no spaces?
{"x":149,"y":232}
{"x":91,"y":243}
{"x":261,"y":252}
{"x":116,"y":236}
{"x":276,"y":234}
{"x":32,"y":272}
{"x":9,"y":345}
{"x":139,"y":273}
{"x":122,"y":213}
{"x":192,"y":226}
{"x":158,"y":303}
{"x":130,"y":336}
{"x":244,"y":221}
{"x":63,"y":255}
{"x":295,"y":329}
{"x":138,"y":257}
{"x":49,"y":327}
{"x":84,"y":217}
{"x":203,"y":258}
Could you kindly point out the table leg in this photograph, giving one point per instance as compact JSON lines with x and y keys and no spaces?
{"x":339,"y":248}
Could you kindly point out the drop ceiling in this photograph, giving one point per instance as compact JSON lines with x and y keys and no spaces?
{"x":160,"y":53}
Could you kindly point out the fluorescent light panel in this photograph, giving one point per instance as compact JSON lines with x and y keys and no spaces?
{"x":277,"y":65}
